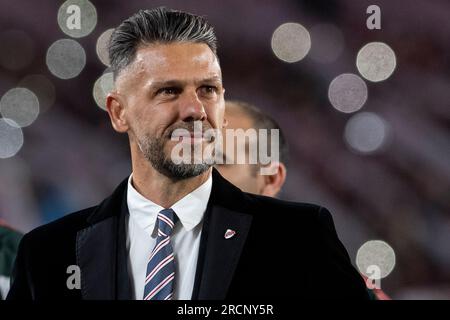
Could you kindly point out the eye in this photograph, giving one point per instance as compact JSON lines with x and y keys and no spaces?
{"x":168,"y":91}
{"x":209,"y":90}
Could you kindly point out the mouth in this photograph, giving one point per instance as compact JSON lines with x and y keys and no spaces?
{"x":189,"y":137}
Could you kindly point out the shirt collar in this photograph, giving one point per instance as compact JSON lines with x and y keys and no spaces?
{"x":190,"y":209}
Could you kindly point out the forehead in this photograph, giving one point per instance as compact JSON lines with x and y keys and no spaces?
{"x":174,"y":61}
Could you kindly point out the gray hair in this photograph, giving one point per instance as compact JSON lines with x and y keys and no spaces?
{"x":158,"y":25}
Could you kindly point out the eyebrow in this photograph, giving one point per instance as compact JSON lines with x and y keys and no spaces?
{"x":174,"y":82}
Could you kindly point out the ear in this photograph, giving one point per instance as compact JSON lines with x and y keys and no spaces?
{"x":274,"y":182}
{"x":116,"y":110}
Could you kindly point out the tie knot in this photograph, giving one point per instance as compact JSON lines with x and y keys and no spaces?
{"x":166,"y":221}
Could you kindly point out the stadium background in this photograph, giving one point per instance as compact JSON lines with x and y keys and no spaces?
{"x":397,"y":192}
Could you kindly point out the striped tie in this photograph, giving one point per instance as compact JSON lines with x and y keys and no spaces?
{"x":161,"y":266}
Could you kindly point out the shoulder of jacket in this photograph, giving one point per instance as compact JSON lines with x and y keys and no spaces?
{"x":270,"y":206}
{"x":65,"y":226}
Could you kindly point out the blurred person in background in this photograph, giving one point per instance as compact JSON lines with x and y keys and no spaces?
{"x":9,"y":243}
{"x":241,"y":115}
{"x":247,"y":177}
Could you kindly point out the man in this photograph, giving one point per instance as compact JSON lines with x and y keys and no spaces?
{"x":9,"y":242}
{"x":241,"y":115}
{"x":177,"y":230}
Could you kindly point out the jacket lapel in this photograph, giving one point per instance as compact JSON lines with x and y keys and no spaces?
{"x":101,"y":250}
{"x":219,"y":256}
{"x":123,"y":279}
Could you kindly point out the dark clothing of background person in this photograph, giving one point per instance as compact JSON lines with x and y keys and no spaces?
{"x":9,"y":243}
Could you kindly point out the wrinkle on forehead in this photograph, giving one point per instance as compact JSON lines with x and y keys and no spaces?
{"x":169,"y":61}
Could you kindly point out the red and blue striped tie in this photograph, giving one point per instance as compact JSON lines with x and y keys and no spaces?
{"x":159,"y":281}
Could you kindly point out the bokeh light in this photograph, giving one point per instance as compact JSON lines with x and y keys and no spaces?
{"x":102,"y":47}
{"x":102,"y":87}
{"x":77,"y":18}
{"x":376,"y":253}
{"x":11,"y":138}
{"x":291,"y":42}
{"x":17,"y":49}
{"x":365,"y":132}
{"x":42,"y":87}
{"x":66,"y":58}
{"x":327,"y":43}
{"x":376,"y":61}
{"x":20,"y":105}
{"x":347,"y":92}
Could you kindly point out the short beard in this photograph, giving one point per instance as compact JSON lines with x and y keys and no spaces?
{"x":153,"y":151}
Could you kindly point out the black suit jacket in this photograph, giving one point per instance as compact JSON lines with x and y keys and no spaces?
{"x":280,"y":249}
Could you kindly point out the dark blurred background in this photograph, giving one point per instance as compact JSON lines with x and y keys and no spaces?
{"x":398,"y":192}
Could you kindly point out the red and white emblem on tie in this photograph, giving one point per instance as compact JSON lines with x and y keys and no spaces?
{"x":229,"y":234}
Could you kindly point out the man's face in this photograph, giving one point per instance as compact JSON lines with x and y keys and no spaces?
{"x":168,"y":87}
{"x":245,"y":176}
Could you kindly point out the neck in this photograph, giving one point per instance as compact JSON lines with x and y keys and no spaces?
{"x":159,"y":188}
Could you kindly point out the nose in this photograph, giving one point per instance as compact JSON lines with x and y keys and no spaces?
{"x":191,"y":108}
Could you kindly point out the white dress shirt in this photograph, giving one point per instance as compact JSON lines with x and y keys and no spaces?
{"x":142,"y":232}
